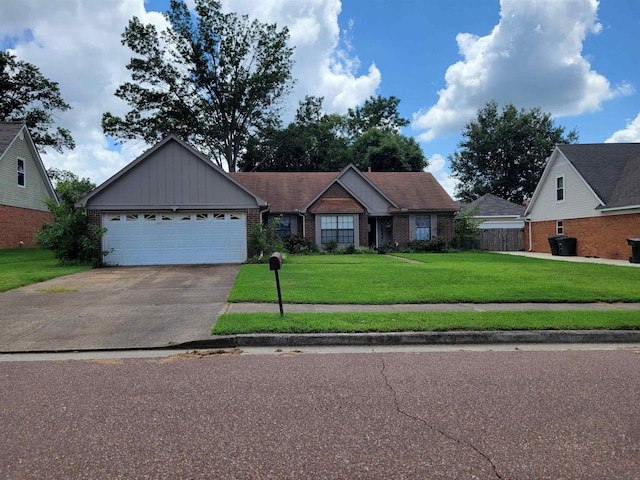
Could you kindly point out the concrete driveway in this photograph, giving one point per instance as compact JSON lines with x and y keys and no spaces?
{"x":111,"y":308}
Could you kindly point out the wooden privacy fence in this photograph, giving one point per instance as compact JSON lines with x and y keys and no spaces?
{"x":501,"y":239}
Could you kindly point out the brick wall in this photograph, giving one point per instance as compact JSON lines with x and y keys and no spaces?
{"x":336,"y":191}
{"x":21,"y":224}
{"x":604,"y":236}
{"x":446,"y":227}
{"x":363,"y":237}
{"x":401,"y":230}
{"x":94,"y":217}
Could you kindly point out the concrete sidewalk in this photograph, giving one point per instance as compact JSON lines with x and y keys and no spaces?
{"x":548,"y":256}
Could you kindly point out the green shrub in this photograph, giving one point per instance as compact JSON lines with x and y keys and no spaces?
{"x":295,"y":244}
{"x":436,"y":244}
{"x":263,"y":241}
{"x":71,"y":238}
{"x":348,"y":250}
{"x":365,"y":251}
{"x":331,"y":246}
{"x":389,"y":247}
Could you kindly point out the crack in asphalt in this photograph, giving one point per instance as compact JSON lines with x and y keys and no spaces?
{"x":430,"y":426}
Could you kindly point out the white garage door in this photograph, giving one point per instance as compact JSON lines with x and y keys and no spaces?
{"x":175,"y":238}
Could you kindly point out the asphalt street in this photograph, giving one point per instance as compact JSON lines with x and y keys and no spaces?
{"x":474,"y":415}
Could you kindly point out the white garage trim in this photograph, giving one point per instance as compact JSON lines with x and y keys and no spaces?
{"x":167,"y":238}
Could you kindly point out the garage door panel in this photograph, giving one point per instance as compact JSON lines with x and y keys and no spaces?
{"x":175,"y":238}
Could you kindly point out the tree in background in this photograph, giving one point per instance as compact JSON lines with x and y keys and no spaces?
{"x":27,"y":96}
{"x":71,"y":237}
{"x":504,"y":153}
{"x":386,"y":151}
{"x":212,"y":79}
{"x":367,"y":136}
{"x":312,"y":142}
{"x":376,"y":112}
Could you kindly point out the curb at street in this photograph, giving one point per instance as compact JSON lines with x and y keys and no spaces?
{"x":417,"y":338}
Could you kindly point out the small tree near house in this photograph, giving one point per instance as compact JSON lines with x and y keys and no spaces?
{"x":263,"y":241}
{"x":466,"y":229}
{"x":71,"y":237}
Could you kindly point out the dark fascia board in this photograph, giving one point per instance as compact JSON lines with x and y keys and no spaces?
{"x":36,"y":156}
{"x":337,"y":180}
{"x":171,"y":137}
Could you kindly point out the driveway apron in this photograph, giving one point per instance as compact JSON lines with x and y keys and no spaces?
{"x":119,"y":307}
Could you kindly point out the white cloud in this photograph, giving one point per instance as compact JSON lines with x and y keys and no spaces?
{"x":438,"y":168}
{"x":631,"y":134}
{"x":324,"y":65}
{"x":532,"y":58}
{"x":77,"y":43}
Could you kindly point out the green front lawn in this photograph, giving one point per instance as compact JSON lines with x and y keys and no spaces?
{"x":423,"y":321}
{"x":436,"y":278}
{"x":24,"y":266}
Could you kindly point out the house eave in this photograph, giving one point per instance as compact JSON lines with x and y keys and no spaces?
{"x":175,"y":208}
{"x":619,"y":208}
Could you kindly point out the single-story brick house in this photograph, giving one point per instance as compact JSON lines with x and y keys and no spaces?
{"x":590,"y":192}
{"x":172,"y":205}
{"x":24,"y":185}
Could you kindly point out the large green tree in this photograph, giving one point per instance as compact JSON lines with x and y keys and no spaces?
{"x":210,"y":77}
{"x":27,"y":96}
{"x":367,"y":136}
{"x":503,"y":152}
{"x":376,"y":112}
{"x":312,"y":142}
{"x":386,"y":151}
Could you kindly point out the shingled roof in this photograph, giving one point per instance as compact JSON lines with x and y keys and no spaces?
{"x":413,"y":190}
{"x":8,"y":132}
{"x":285,"y":191}
{"x":490,"y":205}
{"x":291,"y":191}
{"x":612,"y":170}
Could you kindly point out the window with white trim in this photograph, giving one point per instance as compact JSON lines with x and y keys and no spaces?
{"x":337,"y":227}
{"x":560,"y":189}
{"x":559,"y":227}
{"x":21,"y":173}
{"x":423,"y":227}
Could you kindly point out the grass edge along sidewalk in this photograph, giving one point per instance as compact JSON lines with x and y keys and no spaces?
{"x":423,"y":321}
{"x":432,"y":278}
{"x":436,"y":278}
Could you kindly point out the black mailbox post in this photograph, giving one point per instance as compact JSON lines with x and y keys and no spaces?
{"x":275,"y":264}
{"x":275,"y":261}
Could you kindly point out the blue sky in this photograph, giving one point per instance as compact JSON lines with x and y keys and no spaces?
{"x":576,"y":59}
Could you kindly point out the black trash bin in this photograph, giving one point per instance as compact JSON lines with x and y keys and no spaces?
{"x":553,"y":243}
{"x":566,"y":246}
{"x":635,"y":250}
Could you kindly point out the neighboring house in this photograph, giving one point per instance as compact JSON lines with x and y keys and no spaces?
{"x":497,"y":213}
{"x":590,"y":192}
{"x":173,"y":205}
{"x":24,"y":185}
{"x":501,"y":223}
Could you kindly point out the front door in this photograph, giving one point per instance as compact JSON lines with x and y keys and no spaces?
{"x":372,"y":225}
{"x":385,"y":230}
